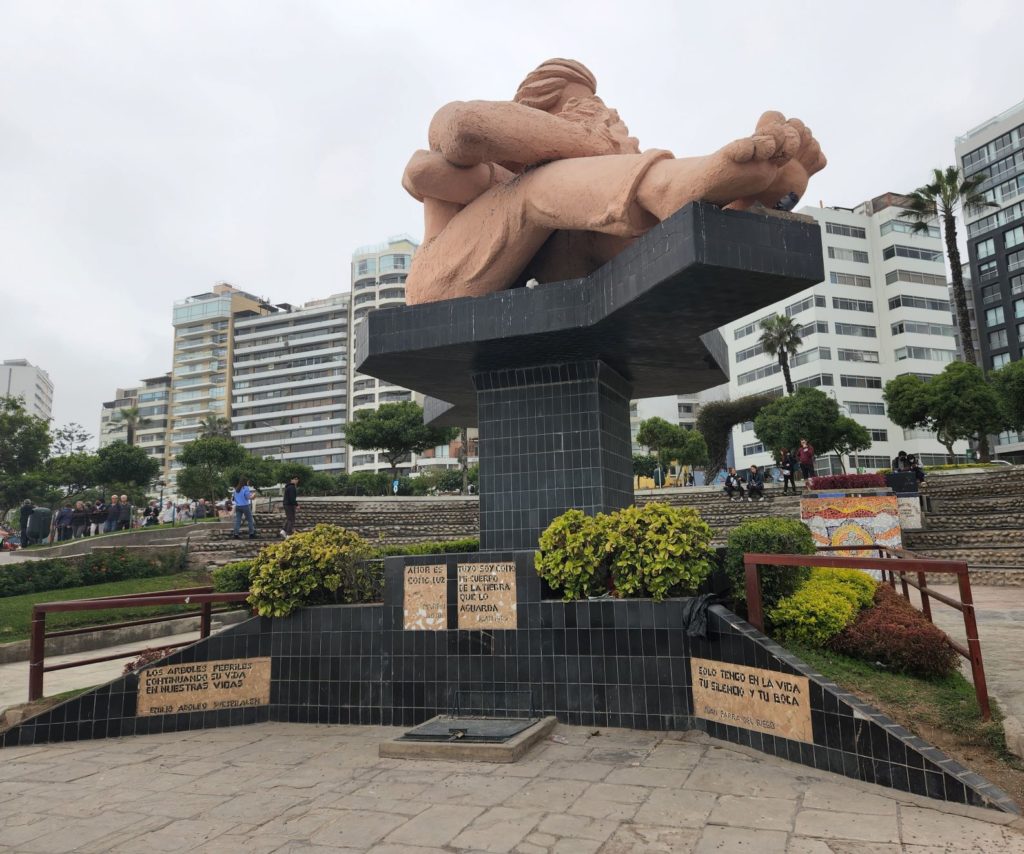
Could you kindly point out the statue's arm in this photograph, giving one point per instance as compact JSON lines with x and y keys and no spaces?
{"x":429,"y":175}
{"x":468,"y":133}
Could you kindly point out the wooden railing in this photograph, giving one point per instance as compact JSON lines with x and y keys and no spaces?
{"x":908,"y":563}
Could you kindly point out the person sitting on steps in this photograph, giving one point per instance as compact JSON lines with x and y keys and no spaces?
{"x":755,"y":484}
{"x":733,"y":484}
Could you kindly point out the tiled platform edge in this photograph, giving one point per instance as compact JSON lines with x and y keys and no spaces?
{"x":605,"y":663}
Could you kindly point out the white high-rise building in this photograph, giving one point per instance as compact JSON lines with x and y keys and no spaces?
{"x":882,"y":311}
{"x":289,"y":393}
{"x":20,"y":378}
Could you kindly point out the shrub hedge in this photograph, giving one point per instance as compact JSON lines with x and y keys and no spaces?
{"x":848,"y":481}
{"x":37,"y":576}
{"x":773,"y":535}
{"x":469,"y":544}
{"x":898,"y":636}
{"x":824,"y":606}
{"x":232,"y":577}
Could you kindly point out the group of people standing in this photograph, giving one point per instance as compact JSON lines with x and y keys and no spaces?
{"x":84,"y":519}
{"x":751,"y":486}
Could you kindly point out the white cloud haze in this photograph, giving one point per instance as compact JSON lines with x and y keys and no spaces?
{"x":151,"y":148}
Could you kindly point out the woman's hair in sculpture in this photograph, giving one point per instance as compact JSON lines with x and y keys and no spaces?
{"x":544,"y":85}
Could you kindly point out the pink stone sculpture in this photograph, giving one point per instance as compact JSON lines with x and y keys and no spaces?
{"x":550,"y":185}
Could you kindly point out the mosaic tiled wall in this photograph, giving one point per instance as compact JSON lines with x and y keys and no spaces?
{"x":607,"y":663}
{"x":864,"y":520}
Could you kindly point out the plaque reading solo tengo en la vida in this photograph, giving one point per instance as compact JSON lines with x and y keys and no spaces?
{"x":752,"y":698}
{"x":487,"y":595}
{"x":204,"y":686}
{"x":425,"y":603}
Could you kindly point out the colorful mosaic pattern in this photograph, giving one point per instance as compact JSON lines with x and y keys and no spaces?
{"x":867,"y":520}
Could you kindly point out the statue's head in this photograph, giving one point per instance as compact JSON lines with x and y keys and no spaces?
{"x":554,"y":82}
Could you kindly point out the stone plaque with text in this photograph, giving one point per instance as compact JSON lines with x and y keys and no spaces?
{"x":204,"y":686}
{"x":425,"y":603}
{"x":752,"y":698}
{"x":487,"y":595}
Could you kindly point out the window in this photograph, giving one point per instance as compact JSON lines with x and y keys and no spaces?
{"x":856,"y":329}
{"x":845,"y":230}
{"x":853,"y":304}
{"x":879,"y":435}
{"x":997,"y":338}
{"x":747,"y":427}
{"x":750,"y":328}
{"x":991,"y":293}
{"x":897,"y":250}
{"x":759,"y":373}
{"x":810,"y":355}
{"x":1000,"y":359}
{"x":804,"y":304}
{"x":869,"y":461}
{"x":814,"y":326}
{"x":750,"y":352}
{"x":914,"y":278}
{"x":994,"y":316}
{"x":860,"y":407}
{"x":366,"y":266}
{"x":1015,"y":260}
{"x":987,"y":270}
{"x":995,"y":220}
{"x":919,"y":302}
{"x":1020,"y":333}
{"x":815,"y":381}
{"x":839,"y":254}
{"x":1017,"y":285}
{"x":928,"y":353}
{"x":855,"y":381}
{"x":922,"y":328}
{"x":1014,"y":237}
{"x":858,"y":355}
{"x":985,"y":248}
{"x":390,"y":263}
{"x":849,"y":279}
{"x":753,"y":448}
{"x":903,"y":227}
{"x":1018,"y":308}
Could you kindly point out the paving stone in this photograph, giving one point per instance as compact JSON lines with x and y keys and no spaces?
{"x":436,"y":826}
{"x":669,"y":778}
{"x":579,"y":770}
{"x":548,"y":795}
{"x":174,"y":837}
{"x":618,"y":794}
{"x":803,"y":845}
{"x":651,"y":839}
{"x":530,"y":848}
{"x":758,"y":813}
{"x":387,"y":848}
{"x":498,"y":830}
{"x":931,"y":827}
{"x":828,"y":824}
{"x":720,"y":774}
{"x":740,"y":840}
{"x":577,"y":827}
{"x":73,"y":834}
{"x":677,"y":807}
{"x":476,"y":789}
{"x":545,"y":840}
{"x":834,"y":796}
{"x":674,"y":754}
{"x":356,"y":829}
{"x":576,"y":846}
{"x":253,"y":806}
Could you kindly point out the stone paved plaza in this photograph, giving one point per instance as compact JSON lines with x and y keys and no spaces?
{"x":290,"y":787}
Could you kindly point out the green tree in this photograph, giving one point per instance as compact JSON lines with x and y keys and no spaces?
{"x":396,"y":430}
{"x":72,"y":476}
{"x":24,"y":443}
{"x":659,"y":437}
{"x":72,"y":438}
{"x":716,"y":420}
{"x":206,"y":464}
{"x":938,"y":200}
{"x":132,"y":419}
{"x":780,"y":338}
{"x":123,"y":464}
{"x":957,"y":404}
{"x":644,"y":465}
{"x":1008,"y":382}
{"x":810,"y":413}
{"x":214,"y":425}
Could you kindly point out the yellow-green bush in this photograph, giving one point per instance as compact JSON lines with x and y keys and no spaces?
{"x":323,"y":566}
{"x":822,"y":607}
{"x":572,"y":555}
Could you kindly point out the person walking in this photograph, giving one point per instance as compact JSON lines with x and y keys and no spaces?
{"x":23,"y":516}
{"x":755,"y":484}
{"x":62,"y":523}
{"x":805,"y":456}
{"x":79,"y":520}
{"x":242,"y":497}
{"x":786,"y":465}
{"x":291,"y":504}
{"x":125,"y":515}
{"x":733,"y":484}
{"x":113,"y":515}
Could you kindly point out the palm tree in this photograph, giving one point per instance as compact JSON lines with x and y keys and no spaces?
{"x":214,"y":425}
{"x":781,"y":338}
{"x":939,"y":200}
{"x":132,"y":419}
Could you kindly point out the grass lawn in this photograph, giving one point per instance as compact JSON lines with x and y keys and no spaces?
{"x":16,"y":611}
{"x":942,"y":711}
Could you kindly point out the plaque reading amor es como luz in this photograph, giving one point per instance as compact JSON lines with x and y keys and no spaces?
{"x":204,"y":686}
{"x":487,"y":595}
{"x":752,"y":698}
{"x":426,"y":597}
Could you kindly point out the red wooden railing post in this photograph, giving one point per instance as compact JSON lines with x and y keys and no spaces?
{"x":926,"y":605}
{"x":36,"y":654}
{"x":973,"y":643}
{"x":206,"y":613}
{"x":755,"y":610}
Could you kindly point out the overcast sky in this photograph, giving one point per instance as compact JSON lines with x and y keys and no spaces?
{"x":149,"y":149}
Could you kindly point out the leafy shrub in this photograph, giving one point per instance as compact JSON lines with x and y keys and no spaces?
{"x":232,"y":577}
{"x":323,"y":566}
{"x":823,"y":607}
{"x":898,"y":636}
{"x":36,"y":576}
{"x":773,"y":535}
{"x":848,"y":481}
{"x":655,"y":551}
{"x":572,"y":555}
{"x":469,"y":544}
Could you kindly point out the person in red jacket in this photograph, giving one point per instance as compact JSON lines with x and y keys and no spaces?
{"x":805,"y":456}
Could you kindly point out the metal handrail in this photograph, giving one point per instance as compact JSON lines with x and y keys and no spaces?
{"x":202,"y":596}
{"x":909,"y":562}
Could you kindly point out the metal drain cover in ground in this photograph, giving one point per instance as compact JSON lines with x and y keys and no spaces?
{"x":469,"y":730}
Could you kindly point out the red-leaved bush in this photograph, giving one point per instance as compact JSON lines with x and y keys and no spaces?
{"x":847,"y":481}
{"x":894,"y":633}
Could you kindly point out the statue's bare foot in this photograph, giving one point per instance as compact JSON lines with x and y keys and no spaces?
{"x":791,"y":179}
